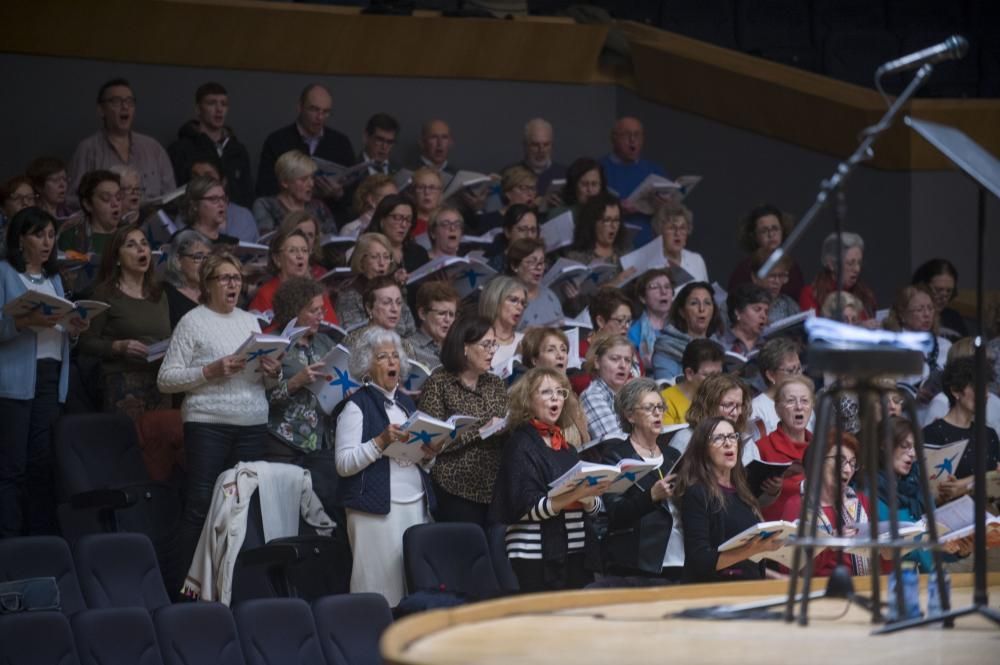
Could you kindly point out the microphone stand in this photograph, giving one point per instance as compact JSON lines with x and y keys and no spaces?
{"x":843,"y":171}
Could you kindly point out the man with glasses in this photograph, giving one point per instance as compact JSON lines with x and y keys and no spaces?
{"x":208,"y":134}
{"x":115,"y":143}
{"x":310,"y":135}
{"x":625,"y":169}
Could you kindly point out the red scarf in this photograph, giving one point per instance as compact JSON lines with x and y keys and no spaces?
{"x":554,"y":432}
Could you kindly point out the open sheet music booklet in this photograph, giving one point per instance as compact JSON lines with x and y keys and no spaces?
{"x":777,"y":529}
{"x":426,"y":430}
{"x":623,"y":475}
{"x":656,"y":186}
{"x":336,"y":383}
{"x":941,"y":461}
{"x":49,"y":305}
{"x":758,"y":471}
{"x":957,"y":519}
{"x":558,"y":231}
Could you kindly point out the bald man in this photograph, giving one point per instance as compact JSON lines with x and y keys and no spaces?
{"x":538,"y":140}
{"x":435,"y":147}
{"x":625,"y":169}
{"x":309,"y":134}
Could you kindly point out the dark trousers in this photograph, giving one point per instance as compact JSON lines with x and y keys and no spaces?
{"x":209,"y":450}
{"x":27,"y":495}
{"x":451,"y":508}
{"x":535,"y":575}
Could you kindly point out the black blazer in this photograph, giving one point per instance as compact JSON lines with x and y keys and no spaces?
{"x":638,"y":528}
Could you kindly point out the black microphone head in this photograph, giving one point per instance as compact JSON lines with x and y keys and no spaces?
{"x":958,"y":46}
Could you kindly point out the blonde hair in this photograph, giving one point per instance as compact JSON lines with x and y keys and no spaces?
{"x":517,"y":175}
{"x":365,"y":242}
{"x":208,"y":267}
{"x":291,"y":222}
{"x":847,"y":299}
{"x":902,"y":303}
{"x":522,"y":392}
{"x":600,"y":344}
{"x":788,"y":381}
{"x":294,"y":164}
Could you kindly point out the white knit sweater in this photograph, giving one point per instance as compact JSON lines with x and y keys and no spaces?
{"x":201,"y":337}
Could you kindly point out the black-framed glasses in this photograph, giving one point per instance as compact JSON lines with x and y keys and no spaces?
{"x":720,"y":440}
{"x":227,"y":279}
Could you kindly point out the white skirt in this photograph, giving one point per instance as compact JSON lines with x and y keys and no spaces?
{"x":377,"y":545}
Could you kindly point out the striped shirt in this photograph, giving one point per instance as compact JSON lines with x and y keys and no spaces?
{"x":524,"y":539}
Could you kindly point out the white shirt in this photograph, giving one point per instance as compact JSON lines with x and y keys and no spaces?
{"x":48,"y":339}
{"x":354,"y":455}
{"x":693,"y":264}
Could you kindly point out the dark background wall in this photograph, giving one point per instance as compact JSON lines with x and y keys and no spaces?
{"x":905,"y":218}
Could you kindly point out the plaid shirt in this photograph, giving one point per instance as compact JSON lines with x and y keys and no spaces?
{"x":598,"y":404}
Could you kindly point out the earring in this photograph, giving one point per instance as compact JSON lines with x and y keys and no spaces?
{"x":366,"y":379}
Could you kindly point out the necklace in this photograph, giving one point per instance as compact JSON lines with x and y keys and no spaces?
{"x":653,"y":452}
{"x":35,"y":279}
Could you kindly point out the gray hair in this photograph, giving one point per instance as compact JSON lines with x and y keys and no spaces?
{"x":628,"y":398}
{"x":828,"y":254}
{"x":496,"y":292}
{"x":536,"y":123}
{"x":181,"y":244}
{"x":363,"y":352}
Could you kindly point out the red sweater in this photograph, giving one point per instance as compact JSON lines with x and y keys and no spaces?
{"x":778,"y":447}
{"x":827,"y":560}
{"x":263,"y":300}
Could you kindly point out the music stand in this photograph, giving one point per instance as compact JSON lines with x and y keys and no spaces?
{"x":984,"y":169}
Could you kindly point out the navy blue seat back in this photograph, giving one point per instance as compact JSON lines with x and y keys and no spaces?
{"x":449,"y":556}
{"x":278,"y":631}
{"x":197,"y":634}
{"x":349,"y":627}
{"x":43,"y":556}
{"x":119,"y":570}
{"x":117,"y":636}
{"x":37,"y":638}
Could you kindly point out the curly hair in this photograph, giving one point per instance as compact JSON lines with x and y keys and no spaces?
{"x":522,"y":392}
{"x":292,"y":295}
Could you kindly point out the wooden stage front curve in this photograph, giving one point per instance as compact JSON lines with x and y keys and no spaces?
{"x":625,"y":627}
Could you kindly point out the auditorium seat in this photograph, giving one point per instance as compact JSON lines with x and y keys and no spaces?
{"x":43,"y":556}
{"x":349,"y":627}
{"x":116,"y":636}
{"x":37,"y":638}
{"x":449,"y":556}
{"x":102,"y":484}
{"x":278,"y":631}
{"x":197,"y":634}
{"x":119,"y":570}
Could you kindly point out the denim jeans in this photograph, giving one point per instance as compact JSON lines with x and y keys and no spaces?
{"x":209,"y":450}
{"x":27,"y":495}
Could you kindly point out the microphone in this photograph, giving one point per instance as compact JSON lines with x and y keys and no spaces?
{"x":953,"y":48}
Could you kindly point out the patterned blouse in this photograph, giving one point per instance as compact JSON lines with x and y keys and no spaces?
{"x":296,"y":419}
{"x":468,"y":467}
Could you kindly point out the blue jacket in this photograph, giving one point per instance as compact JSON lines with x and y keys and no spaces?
{"x":17,"y":348}
{"x":368,"y":490}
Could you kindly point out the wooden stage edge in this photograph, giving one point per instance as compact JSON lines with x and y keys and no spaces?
{"x":629,"y":626}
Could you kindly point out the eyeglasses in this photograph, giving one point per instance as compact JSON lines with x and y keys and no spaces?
{"x":778,"y":276}
{"x":524,"y":189}
{"x":610,"y":221}
{"x":488,"y":345}
{"x":222,"y":198}
{"x":664,"y":288}
{"x":676,"y":228}
{"x":720,"y":440}
{"x":769,"y":230}
{"x":118,"y":102}
{"x":650,"y":409}
{"x":449,"y":224}
{"x":793,"y":402}
{"x":557,"y":393}
{"x":514,"y":300}
{"x":384,"y":357}
{"x":731,"y":406}
{"x":851,"y":463}
{"x":623,"y":321}
{"x":24,"y":199}
{"x":794,"y":370}
{"x":227,"y":279}
{"x":197,"y":257}
{"x":399,"y":219}
{"x":131,"y":191}
{"x":443,"y":313}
